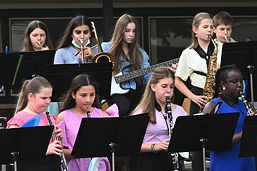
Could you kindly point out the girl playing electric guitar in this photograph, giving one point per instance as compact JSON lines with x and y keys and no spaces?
{"x":130,"y":56}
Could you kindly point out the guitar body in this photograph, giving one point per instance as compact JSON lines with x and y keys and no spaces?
{"x":116,"y":88}
{"x":123,"y":88}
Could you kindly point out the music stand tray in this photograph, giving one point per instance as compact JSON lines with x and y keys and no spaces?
{"x":201,"y":132}
{"x":102,"y":137}
{"x":244,"y":55}
{"x":248,"y":141}
{"x":19,"y":66}
{"x":61,"y":75}
{"x":15,"y":144}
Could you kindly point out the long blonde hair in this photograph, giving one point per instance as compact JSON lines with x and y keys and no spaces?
{"x":30,"y":86}
{"x":117,"y":38}
{"x":147,"y":103}
{"x":196,"y":22}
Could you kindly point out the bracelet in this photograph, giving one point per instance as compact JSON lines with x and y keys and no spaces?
{"x":152,"y":148}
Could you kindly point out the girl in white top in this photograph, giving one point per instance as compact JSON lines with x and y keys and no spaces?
{"x":194,"y":60}
{"x":193,"y":64}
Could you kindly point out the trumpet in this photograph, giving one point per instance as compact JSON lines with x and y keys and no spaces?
{"x":42,"y":47}
{"x":102,"y":56}
{"x":82,"y":50}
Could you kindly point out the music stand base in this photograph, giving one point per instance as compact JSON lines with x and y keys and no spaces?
{"x":15,"y":159}
{"x":113,"y":146}
{"x":203,"y":141}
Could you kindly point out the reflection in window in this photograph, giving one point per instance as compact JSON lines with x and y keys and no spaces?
{"x":244,"y":28}
{"x":168,"y":37}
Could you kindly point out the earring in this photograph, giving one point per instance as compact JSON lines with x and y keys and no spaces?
{"x":223,"y":88}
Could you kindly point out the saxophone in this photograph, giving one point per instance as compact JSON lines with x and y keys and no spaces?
{"x":210,"y":77}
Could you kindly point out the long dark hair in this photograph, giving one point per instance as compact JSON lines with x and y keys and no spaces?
{"x":27,"y":46}
{"x":76,"y":84}
{"x":77,"y":21}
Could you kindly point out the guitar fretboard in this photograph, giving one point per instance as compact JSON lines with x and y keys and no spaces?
{"x":133,"y":74}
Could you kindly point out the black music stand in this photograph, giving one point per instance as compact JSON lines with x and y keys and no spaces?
{"x":61,"y":75}
{"x":15,"y":144}
{"x":19,"y":66}
{"x":248,"y":141}
{"x":200,"y":132}
{"x":244,"y":55}
{"x":102,"y":137}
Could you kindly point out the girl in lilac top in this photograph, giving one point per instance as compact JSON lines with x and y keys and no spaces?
{"x":81,"y":101}
{"x":153,"y":156}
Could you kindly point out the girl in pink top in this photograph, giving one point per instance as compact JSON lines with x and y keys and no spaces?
{"x":81,"y":101}
{"x":153,"y":156}
{"x":34,"y":97}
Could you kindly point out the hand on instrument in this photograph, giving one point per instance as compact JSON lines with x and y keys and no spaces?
{"x":199,"y":100}
{"x":87,"y":53}
{"x":45,"y":48}
{"x":173,"y":67}
{"x":58,"y":132}
{"x":215,"y":70}
{"x":163,"y":145}
{"x":55,"y":148}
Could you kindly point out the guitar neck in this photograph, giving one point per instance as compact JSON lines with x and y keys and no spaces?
{"x":133,"y":74}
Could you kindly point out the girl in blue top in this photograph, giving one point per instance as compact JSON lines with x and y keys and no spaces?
{"x":129,"y":56}
{"x":229,"y":83}
{"x":77,"y":34}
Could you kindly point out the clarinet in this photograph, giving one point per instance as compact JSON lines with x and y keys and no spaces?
{"x":174,"y":156}
{"x":249,"y":108}
{"x":88,"y":114}
{"x":62,"y":157}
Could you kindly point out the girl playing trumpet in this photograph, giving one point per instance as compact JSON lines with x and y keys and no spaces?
{"x":76,"y":37}
{"x":36,"y":37}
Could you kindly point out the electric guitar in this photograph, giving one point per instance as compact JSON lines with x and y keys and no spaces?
{"x":116,"y":88}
